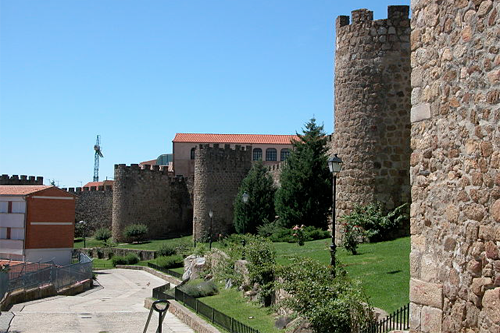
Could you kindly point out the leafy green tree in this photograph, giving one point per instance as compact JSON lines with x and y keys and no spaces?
{"x":259,"y":187}
{"x":305,"y":195}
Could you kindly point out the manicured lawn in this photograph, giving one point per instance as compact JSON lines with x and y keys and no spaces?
{"x":232,"y":303}
{"x":383,"y":268}
{"x":147,"y":245}
{"x":101,"y":264}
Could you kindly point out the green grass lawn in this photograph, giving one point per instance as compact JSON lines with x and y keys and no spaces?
{"x":232,"y":303}
{"x":152,"y":245}
{"x":383,"y":268}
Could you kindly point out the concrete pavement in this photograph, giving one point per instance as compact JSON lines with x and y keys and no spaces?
{"x":116,"y":307}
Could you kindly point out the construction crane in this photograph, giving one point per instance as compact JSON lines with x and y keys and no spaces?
{"x":97,"y":154}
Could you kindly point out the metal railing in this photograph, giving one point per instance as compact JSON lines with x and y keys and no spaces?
{"x":59,"y":276}
{"x":165,"y":270}
{"x":161,"y":292}
{"x":216,"y":317}
{"x":398,"y":320}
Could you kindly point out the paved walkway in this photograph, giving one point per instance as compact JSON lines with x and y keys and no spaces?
{"x":116,"y":307}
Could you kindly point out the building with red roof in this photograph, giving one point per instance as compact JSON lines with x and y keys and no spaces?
{"x":268,"y":148}
{"x":36,"y":223}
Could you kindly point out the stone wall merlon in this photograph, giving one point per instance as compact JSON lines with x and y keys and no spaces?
{"x":20,"y":180}
{"x":395,"y":14}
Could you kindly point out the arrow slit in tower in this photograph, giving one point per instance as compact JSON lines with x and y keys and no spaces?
{"x":97,"y":154}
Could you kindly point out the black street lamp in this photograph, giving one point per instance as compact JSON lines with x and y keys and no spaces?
{"x":211,"y":214}
{"x":244,"y":198}
{"x":335,"y":165}
{"x":84,"y":228}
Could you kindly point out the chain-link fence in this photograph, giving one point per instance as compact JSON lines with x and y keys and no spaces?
{"x":31,"y":275}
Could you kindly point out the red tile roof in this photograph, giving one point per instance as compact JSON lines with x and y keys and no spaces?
{"x":97,"y":184}
{"x":235,"y":138}
{"x":151,"y":162}
{"x":21,"y":189}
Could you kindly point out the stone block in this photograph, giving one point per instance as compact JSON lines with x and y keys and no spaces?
{"x":492,"y":251}
{"x":426,"y":293}
{"x":420,"y":112}
{"x":480,"y":284}
{"x":415,"y":315}
{"x":431,"y":319}
{"x":495,"y":210}
{"x":491,"y":305}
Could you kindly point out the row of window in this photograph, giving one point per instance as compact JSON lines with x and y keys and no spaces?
{"x":12,"y":207}
{"x":11,"y":233}
{"x":271,"y":154}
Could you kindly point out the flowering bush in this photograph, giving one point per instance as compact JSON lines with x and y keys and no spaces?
{"x":298,"y":233}
{"x":353,"y":235}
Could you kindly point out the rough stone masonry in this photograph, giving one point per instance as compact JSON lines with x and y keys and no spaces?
{"x":455,"y":178}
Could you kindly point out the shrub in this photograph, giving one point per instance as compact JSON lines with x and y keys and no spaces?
{"x":170,"y":261}
{"x":119,"y":260}
{"x":373,"y":222}
{"x":129,"y":259}
{"x":135,"y":232}
{"x":103,"y":234}
{"x":261,"y":257}
{"x":334,"y":305}
{"x":276,"y":233}
{"x":200,"y":288}
{"x":132,"y":258}
{"x":166,"y":249}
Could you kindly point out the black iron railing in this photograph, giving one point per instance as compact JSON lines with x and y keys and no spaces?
{"x":399,"y":320}
{"x":216,"y":317}
{"x":165,"y":270}
{"x":161,"y":292}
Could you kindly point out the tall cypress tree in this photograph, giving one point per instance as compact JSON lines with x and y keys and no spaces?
{"x":259,"y":186}
{"x":305,"y":195}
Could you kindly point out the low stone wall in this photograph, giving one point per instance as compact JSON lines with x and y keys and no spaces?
{"x":108,"y":252}
{"x":45,"y":291}
{"x":186,"y":316}
{"x":154,"y":272}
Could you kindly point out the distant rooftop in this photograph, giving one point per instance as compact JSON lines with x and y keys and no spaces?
{"x":235,"y":138}
{"x":97,"y":184}
{"x":21,"y":189}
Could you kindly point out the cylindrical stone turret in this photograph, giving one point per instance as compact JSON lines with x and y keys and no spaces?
{"x":218,"y":176}
{"x":372,"y":108}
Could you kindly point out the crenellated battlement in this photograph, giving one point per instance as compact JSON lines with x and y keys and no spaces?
{"x":20,"y":180}
{"x":107,"y":188}
{"x":395,"y":14}
{"x":147,"y":168}
{"x":211,"y":153}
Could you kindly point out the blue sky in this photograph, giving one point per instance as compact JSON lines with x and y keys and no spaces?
{"x":137,"y":72}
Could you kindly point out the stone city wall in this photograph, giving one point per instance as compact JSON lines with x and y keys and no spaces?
{"x":218,"y":175}
{"x":94,"y":205}
{"x":20,"y":180}
{"x":455,"y":166}
{"x":150,"y":196}
{"x":372,"y":108}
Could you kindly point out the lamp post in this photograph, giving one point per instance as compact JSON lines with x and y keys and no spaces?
{"x":211,"y":214}
{"x":335,"y":165}
{"x":84,"y":227}
{"x":244,"y":198}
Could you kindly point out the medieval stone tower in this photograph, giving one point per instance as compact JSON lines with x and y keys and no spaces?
{"x":218,"y":175}
{"x":150,"y":196}
{"x":372,"y":108}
